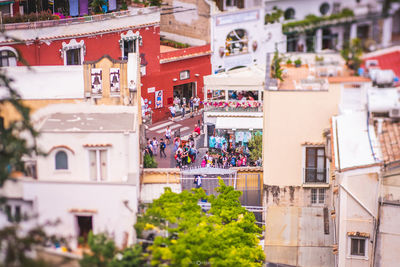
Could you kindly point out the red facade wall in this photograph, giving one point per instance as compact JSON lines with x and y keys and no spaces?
{"x":164,"y":81}
{"x":158,"y":75}
{"x":42,"y":53}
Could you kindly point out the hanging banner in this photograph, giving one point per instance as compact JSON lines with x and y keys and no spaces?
{"x":159,"y":99}
{"x":73,"y":8}
{"x":114,"y":80}
{"x":83,"y":7}
{"x":96,"y":81}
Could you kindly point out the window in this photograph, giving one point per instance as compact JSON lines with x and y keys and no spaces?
{"x":73,"y":52}
{"x":74,"y":56}
{"x":17,"y":215}
{"x":61,"y":160}
{"x":129,"y":47}
{"x":236,"y":42}
{"x":98,"y":165}
{"x":289,"y":13}
{"x":230,"y":3}
{"x":183,"y":75}
{"x":317,"y":196}
{"x":315,"y":169}
{"x":9,"y":213}
{"x":8,"y":59}
{"x":13,"y":216}
{"x":358,"y":246}
{"x":324,"y":8}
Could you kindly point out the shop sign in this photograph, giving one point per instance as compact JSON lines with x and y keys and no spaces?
{"x":151,"y":90}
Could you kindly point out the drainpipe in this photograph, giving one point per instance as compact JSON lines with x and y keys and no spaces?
{"x":378,"y":220}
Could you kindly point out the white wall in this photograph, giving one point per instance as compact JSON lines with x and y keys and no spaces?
{"x":56,"y":200}
{"x":303,"y":8}
{"x":149,"y":192}
{"x":122,"y":155}
{"x":264,"y":35}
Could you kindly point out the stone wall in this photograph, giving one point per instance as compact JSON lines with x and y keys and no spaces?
{"x":192,"y":23}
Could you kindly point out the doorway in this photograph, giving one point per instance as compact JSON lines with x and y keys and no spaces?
{"x":186,"y":91}
{"x":85,"y":225}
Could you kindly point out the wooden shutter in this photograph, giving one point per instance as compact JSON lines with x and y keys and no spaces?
{"x":93,"y":165}
{"x":103,"y":165}
{"x":220,"y":4}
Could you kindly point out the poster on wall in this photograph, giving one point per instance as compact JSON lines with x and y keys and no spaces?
{"x":96,"y":81}
{"x":114,"y":80}
{"x":159,"y":99}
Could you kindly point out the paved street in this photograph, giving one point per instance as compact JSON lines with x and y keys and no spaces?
{"x":185,"y":126}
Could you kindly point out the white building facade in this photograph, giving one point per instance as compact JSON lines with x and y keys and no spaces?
{"x":89,"y":180}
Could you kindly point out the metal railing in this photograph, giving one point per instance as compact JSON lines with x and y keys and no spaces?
{"x":233,"y":106}
{"x":315,"y":175}
{"x":83,"y":19}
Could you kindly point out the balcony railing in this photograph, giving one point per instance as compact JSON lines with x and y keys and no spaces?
{"x":315,"y":175}
{"x":233,"y":106}
{"x":69,"y":21}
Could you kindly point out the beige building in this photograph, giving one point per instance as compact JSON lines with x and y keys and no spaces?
{"x":297,"y":180}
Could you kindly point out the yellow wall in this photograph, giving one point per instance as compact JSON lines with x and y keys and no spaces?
{"x":290,"y":119}
{"x":105,"y":64}
{"x":171,"y":175}
{"x":8,"y":112}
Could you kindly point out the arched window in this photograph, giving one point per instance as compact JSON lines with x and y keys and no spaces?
{"x":236,"y":42}
{"x":324,"y":8}
{"x":61,"y":160}
{"x":8,"y":57}
{"x":289,"y":13}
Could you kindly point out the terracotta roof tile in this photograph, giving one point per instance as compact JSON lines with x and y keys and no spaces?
{"x":390,"y":141}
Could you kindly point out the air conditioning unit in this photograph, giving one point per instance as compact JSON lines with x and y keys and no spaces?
{"x":394,"y":113}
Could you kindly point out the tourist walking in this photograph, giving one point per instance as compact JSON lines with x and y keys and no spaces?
{"x":162,"y":148}
{"x":155,"y":146}
{"x":168,"y":135}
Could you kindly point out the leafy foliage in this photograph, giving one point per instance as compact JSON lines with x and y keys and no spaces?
{"x":97,"y":6}
{"x":276,"y":70}
{"x":104,"y":253}
{"x":18,"y":245}
{"x":311,"y":20}
{"x":149,"y":161}
{"x":352,"y":53}
{"x":255,"y":147}
{"x":274,"y":16}
{"x":14,"y":144}
{"x":225,"y":236}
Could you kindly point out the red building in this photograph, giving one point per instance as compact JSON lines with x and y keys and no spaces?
{"x":181,"y":74}
{"x":66,"y":42}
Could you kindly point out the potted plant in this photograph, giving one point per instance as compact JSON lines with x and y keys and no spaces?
{"x":289,"y":62}
{"x":297,"y":62}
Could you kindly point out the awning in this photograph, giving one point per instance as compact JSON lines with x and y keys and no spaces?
{"x":239,"y":123}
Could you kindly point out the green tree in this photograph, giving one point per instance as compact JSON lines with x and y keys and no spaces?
{"x":97,"y":6}
{"x":276,"y":66}
{"x":104,"y":253}
{"x":14,"y":144}
{"x":351,"y":53}
{"x":17,"y":245}
{"x":225,"y":236}
{"x":149,"y":161}
{"x":255,"y":147}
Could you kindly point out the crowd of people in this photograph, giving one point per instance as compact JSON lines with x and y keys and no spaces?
{"x":181,"y":104}
{"x":155,"y":147}
{"x":225,"y":159}
{"x":185,"y":152}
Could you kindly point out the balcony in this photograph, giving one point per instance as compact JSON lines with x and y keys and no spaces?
{"x":233,"y":106}
{"x":79,"y":20}
{"x":315,"y":175}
